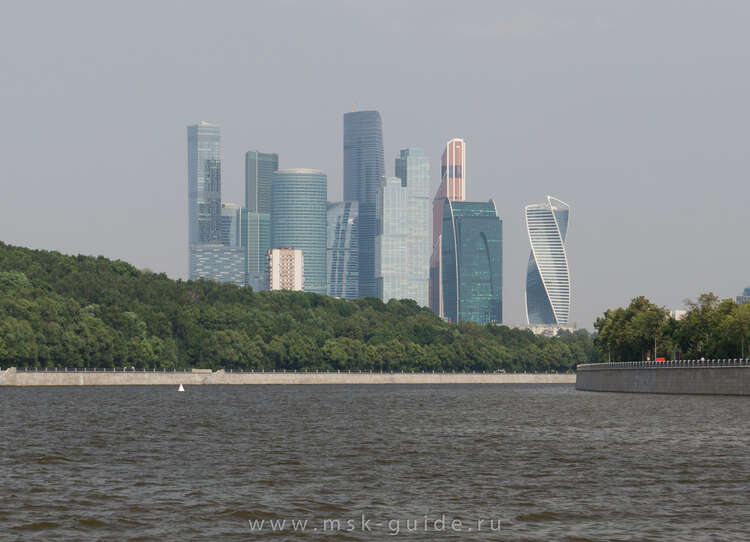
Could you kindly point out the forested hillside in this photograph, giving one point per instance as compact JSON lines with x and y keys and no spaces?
{"x":81,"y":311}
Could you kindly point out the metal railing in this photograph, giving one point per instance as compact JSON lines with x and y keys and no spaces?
{"x":671,"y":364}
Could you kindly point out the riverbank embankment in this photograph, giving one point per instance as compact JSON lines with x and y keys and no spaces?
{"x":699,"y":377}
{"x":12,"y":377}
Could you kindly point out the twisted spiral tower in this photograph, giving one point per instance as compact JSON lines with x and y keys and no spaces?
{"x":547,"y":274}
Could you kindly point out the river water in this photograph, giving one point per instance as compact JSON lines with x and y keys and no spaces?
{"x":432,"y":463}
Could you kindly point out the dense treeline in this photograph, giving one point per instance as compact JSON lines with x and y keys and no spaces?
{"x":711,"y":329}
{"x":80,"y":311}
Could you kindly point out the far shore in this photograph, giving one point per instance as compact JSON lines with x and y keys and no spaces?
{"x":12,"y":377}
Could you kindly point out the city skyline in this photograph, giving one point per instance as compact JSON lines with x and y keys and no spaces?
{"x":644,"y":138}
{"x":283,"y":211}
{"x":236,"y":236}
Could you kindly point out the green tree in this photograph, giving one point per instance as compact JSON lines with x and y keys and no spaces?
{"x":20,"y":342}
{"x":696,"y":333}
{"x":3,"y":350}
{"x":632,"y":333}
{"x":14,"y":280}
{"x":133,"y":325}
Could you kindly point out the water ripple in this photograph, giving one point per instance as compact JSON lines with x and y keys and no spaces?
{"x":548,"y":462}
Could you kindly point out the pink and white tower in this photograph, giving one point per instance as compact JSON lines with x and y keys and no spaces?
{"x":453,"y":188}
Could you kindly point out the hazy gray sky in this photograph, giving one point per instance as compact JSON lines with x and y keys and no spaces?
{"x":635,"y":113}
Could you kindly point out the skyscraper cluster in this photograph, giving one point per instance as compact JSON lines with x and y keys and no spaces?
{"x":389,"y":238}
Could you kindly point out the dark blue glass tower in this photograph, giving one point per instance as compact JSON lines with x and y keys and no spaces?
{"x":472,"y":262}
{"x":364,"y":169}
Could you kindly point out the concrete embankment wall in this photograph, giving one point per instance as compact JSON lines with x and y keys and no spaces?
{"x":11,"y":377}
{"x":683,"y":380}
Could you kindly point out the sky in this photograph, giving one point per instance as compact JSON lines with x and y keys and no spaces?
{"x":635,"y":113}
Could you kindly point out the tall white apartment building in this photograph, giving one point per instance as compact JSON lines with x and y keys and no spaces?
{"x":286,"y":269}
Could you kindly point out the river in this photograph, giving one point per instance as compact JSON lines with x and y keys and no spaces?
{"x":432,"y":462}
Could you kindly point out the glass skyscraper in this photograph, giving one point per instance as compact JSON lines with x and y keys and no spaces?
{"x":413,"y":168}
{"x":547,"y":274}
{"x":402,"y":245}
{"x":452,"y":188}
{"x":391,"y":256}
{"x":230,"y":224}
{"x":204,"y":189}
{"x":204,"y":183}
{"x":259,"y":169}
{"x":472,"y":262}
{"x":255,"y":233}
{"x":364,"y":169}
{"x":298,"y":220}
{"x":343,"y":253}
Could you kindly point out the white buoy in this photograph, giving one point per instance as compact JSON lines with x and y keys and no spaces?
{"x":180,"y":388}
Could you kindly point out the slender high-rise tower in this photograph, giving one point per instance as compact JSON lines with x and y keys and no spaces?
{"x":452,"y":188}
{"x":204,"y":191}
{"x":391,"y":255}
{"x":259,"y":168}
{"x":204,"y":183}
{"x":343,"y":255}
{"x":256,"y":217}
{"x":413,"y":168}
{"x":403,"y":246}
{"x":364,"y":169}
{"x":547,"y":274}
